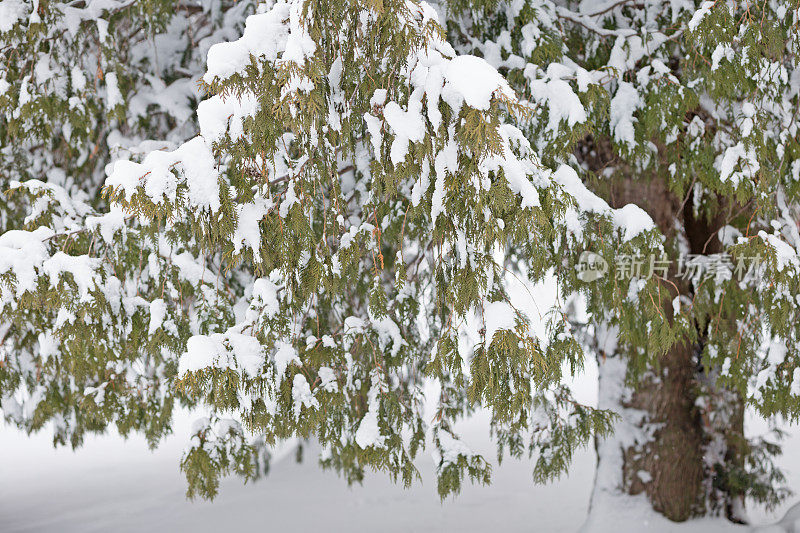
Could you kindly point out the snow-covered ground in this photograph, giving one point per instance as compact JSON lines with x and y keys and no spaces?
{"x":116,"y":485}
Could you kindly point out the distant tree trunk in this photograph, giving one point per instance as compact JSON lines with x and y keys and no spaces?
{"x":660,"y":445}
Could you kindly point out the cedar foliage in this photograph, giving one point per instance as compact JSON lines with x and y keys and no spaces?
{"x":336,"y":240}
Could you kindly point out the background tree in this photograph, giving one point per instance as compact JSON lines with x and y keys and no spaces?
{"x":691,"y":114}
{"x":337,"y":236}
{"x":81,"y":85}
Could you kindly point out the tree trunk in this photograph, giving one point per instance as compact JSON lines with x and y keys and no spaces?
{"x":664,"y":448}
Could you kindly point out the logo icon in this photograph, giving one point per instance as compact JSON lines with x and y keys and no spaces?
{"x":591,"y":266}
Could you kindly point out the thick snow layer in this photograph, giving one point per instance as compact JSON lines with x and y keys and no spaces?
{"x":194,"y":157}
{"x":407,"y":126}
{"x":158,"y":311}
{"x":228,"y":350}
{"x":623,"y":105}
{"x":264,"y":37}
{"x":562,"y":102}
{"x":285,"y":354}
{"x":630,"y":219}
{"x":10,"y":12}
{"x":301,"y":394}
{"x":476,"y":80}
{"x":369,"y":433}
{"x":700,"y":14}
{"x":20,"y":252}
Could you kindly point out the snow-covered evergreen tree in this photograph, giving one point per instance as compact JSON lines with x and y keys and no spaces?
{"x":82,"y":84}
{"x":690,"y":111}
{"x":322,"y":251}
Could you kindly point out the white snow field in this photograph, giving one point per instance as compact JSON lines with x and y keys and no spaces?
{"x":111,"y":485}
{"x":117,"y":485}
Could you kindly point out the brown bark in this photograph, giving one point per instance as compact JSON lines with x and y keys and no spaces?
{"x":673,"y":458}
{"x":677,"y":480}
